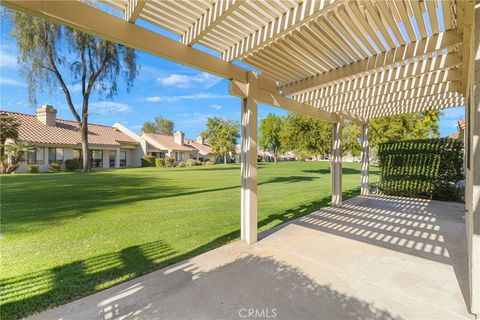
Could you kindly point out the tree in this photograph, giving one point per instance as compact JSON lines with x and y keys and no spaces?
{"x":48,"y":52}
{"x":222,"y":135}
{"x":270,"y":134}
{"x":149,"y":127}
{"x":160,"y":126}
{"x":351,"y":139}
{"x":8,"y":130}
{"x":405,"y":127}
{"x":164,"y":126}
{"x":11,"y":154}
{"x":305,"y":134}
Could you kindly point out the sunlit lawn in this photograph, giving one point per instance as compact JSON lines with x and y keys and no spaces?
{"x":67,"y":235}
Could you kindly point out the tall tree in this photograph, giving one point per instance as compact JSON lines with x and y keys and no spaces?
{"x":160,"y":126}
{"x":270,"y":134}
{"x":49,"y":52}
{"x":149,"y":127}
{"x":164,"y":126}
{"x":405,"y":127}
{"x":222,"y":135}
{"x":308,"y":135}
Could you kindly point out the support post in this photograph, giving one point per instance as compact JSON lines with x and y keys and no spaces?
{"x":365,"y":160}
{"x":472,"y":150}
{"x":249,"y":164}
{"x":336,"y":166}
{"x":117,"y":158}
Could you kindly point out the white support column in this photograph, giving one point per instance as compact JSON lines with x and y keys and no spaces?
{"x":472,"y":145}
{"x":249,"y":164}
{"x":365,"y":161}
{"x":117,"y":158}
{"x":336,"y":166}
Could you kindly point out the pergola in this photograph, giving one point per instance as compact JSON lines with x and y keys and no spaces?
{"x":336,"y":60}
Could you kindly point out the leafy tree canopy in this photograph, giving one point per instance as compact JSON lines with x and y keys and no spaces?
{"x":405,"y":127}
{"x":222,"y":135}
{"x":271,"y":134}
{"x":160,"y":126}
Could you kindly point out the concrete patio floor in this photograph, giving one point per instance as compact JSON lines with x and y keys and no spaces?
{"x":376,"y":257}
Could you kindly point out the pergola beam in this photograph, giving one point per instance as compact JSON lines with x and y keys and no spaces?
{"x":133,"y":10}
{"x":407,"y":54}
{"x":214,"y":16}
{"x":241,"y":90}
{"x":299,"y":15}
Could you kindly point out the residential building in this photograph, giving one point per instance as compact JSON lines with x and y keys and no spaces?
{"x":56,"y":140}
{"x":177,"y":147}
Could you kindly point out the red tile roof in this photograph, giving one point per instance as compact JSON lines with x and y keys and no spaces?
{"x":167,"y":142}
{"x":66,"y":132}
{"x":203,"y":148}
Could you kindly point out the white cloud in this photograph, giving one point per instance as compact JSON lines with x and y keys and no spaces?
{"x":204,"y":80}
{"x":197,"y":96}
{"x":107,"y":107}
{"x":11,"y":82}
{"x":216,"y":106}
{"x":7,"y":60}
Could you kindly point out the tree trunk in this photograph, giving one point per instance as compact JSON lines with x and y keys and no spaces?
{"x":275,"y":159}
{"x":225,"y":158}
{"x":85,"y":151}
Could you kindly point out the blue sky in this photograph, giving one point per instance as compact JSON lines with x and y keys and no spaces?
{"x":162,"y":88}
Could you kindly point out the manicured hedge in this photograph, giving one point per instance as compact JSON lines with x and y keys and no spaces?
{"x":427,"y":168}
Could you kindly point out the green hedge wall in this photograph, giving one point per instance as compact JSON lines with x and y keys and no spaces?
{"x":426,"y":168}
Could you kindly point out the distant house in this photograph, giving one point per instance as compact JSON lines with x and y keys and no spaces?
{"x":56,"y":140}
{"x":177,"y":147}
{"x":461,"y":130}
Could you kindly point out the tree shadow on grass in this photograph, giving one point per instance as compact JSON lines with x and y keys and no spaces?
{"x":34,"y":292}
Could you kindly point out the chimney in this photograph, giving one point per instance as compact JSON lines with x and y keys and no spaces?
{"x":47,"y":115}
{"x":178,"y":137}
{"x":200,"y":140}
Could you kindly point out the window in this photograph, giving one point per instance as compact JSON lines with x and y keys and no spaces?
{"x":77,"y":154}
{"x":55,"y":155}
{"x":35,"y":156}
{"x":112,"y":155}
{"x":123,"y":158}
{"x":96,"y":158}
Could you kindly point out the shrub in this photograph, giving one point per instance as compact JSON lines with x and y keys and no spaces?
{"x":181,"y":164}
{"x":72,"y":164}
{"x":159,"y":163}
{"x":54,"y":167}
{"x":169,"y":162}
{"x":193,"y":162}
{"x":209,"y":163}
{"x":427,"y":168}
{"x":33,"y":169}
{"x":148,"y":161}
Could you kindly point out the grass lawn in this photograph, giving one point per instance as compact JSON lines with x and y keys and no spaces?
{"x":68,"y":235}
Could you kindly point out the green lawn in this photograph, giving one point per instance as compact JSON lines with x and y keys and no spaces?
{"x":67,"y":235}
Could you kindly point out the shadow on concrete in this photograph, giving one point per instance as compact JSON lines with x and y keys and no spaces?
{"x":261,"y":287}
{"x":428,"y":229}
